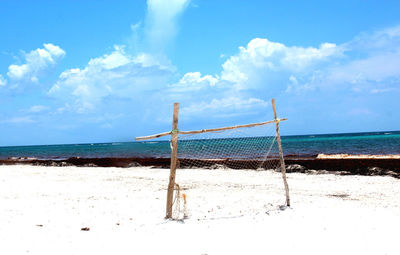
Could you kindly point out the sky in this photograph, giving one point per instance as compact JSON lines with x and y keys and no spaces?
{"x":108,"y":71}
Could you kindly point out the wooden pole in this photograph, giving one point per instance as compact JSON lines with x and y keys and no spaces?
{"x":283,"y":168}
{"x":174,"y":153}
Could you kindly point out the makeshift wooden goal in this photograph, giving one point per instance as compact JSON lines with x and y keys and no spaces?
{"x":175,"y":132}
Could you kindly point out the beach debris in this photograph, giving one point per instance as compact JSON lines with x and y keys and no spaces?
{"x":85,"y":229}
{"x":39,"y":225}
{"x":295,"y":168}
{"x":90,"y":165}
{"x":375,"y":171}
{"x":340,"y":195}
{"x":134,"y":164}
{"x":218,"y":167}
{"x":282,"y":207}
{"x":313,"y":171}
{"x":53,"y":163}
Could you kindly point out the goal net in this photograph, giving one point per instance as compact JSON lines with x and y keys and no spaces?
{"x":251,"y":146}
{"x":241,"y":148}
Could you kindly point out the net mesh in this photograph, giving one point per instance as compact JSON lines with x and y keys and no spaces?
{"x":241,"y":148}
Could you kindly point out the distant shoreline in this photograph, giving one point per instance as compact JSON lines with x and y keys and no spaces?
{"x":322,"y":163}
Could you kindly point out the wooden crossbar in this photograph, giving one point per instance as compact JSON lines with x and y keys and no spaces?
{"x":142,"y":138}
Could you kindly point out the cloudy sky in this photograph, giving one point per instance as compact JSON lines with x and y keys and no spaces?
{"x":103,"y":71}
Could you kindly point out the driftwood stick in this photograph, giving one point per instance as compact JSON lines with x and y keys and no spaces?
{"x":208,"y":130}
{"x":174,"y":152}
{"x":283,"y":168}
{"x":227,"y":128}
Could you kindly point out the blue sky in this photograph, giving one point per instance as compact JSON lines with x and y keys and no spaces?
{"x":102,"y":71}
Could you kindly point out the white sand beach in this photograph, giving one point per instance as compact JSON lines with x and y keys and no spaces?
{"x":43,"y":209}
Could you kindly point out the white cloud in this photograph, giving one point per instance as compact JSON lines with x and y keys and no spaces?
{"x":384,"y":90}
{"x":381,"y":60}
{"x":36,"y":61}
{"x":265,"y":69}
{"x":37,"y":108}
{"x":262,"y":64}
{"x":359,"y":111}
{"x":293,"y":80}
{"x":372,"y":63}
{"x":193,"y":81}
{"x":3,"y":81}
{"x":116,"y":74}
{"x":263,"y":58}
{"x":119,"y":74}
{"x":362,"y":64}
{"x":135,"y":27}
{"x":387,"y":38}
{"x":374,"y":68}
{"x":261,"y":68}
{"x":223,"y":106}
{"x":161,"y":21}
{"x":106,"y":126}
{"x":17,"y":120}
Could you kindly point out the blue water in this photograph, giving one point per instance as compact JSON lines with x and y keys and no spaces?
{"x":302,"y":145}
{"x":353,"y":143}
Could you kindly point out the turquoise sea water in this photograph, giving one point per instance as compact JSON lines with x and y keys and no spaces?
{"x":302,"y":145}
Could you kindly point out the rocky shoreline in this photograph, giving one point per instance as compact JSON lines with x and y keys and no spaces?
{"x":312,"y":165}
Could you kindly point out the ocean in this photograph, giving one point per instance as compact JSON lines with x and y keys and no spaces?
{"x":370,"y":143}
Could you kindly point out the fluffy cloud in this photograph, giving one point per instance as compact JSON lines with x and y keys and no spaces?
{"x":161,"y":21}
{"x":264,"y":69}
{"x":262,"y":61}
{"x":36,"y":61}
{"x":261,"y":68}
{"x":375,"y":68}
{"x":117,"y":74}
{"x":193,"y":81}
{"x":3,"y":81}
{"x":371,"y":63}
{"x":234,"y":103}
{"x":380,"y":62}
{"x":223,"y":107}
{"x":263,"y":64}
{"x":368,"y":62}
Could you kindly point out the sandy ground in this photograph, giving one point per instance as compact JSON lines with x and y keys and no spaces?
{"x":42,"y":211}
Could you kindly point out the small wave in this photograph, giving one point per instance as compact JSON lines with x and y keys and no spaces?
{"x":150,"y":142}
{"x":116,"y":143}
{"x":387,"y":133}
